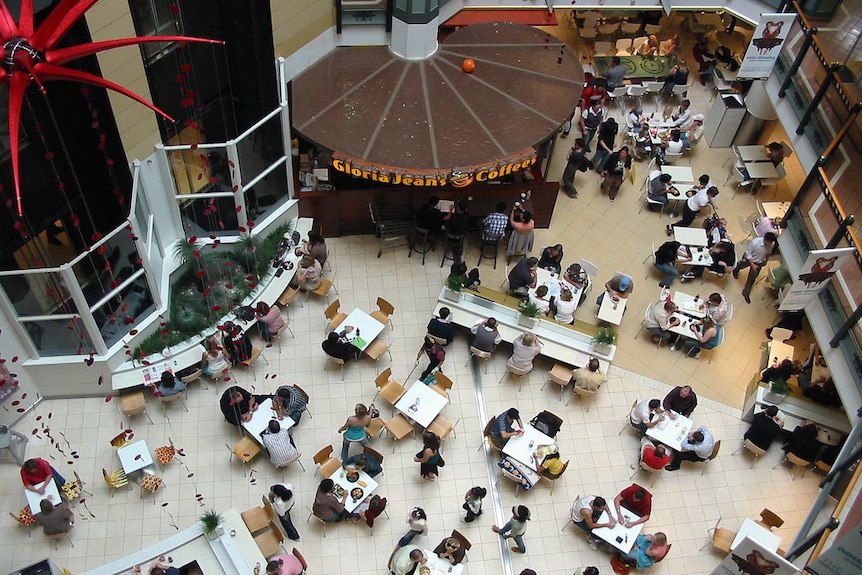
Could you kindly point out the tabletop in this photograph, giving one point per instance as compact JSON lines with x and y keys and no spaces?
{"x":439,"y":566}
{"x":52,"y":494}
{"x":619,"y":536}
{"x":612,"y":311}
{"x":709,"y":19}
{"x":779,"y":351}
{"x":679,"y":174}
{"x":135,"y":456}
{"x":521,"y":447}
{"x":690,"y":236}
{"x":555,"y":282}
{"x":760,"y":170}
{"x":775,"y":210}
{"x":260,"y":420}
{"x":671,"y":432}
{"x":365,"y":483}
{"x":655,"y":122}
{"x":699,"y":257}
{"x":421,"y":404}
{"x":751,"y":153}
{"x":757,"y":533}
{"x":367,"y":328}
{"x":687,"y":305}
{"x":683,"y":328}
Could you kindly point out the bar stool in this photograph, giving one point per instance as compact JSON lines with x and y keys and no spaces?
{"x":489,"y":244}
{"x":422,"y":237}
{"x":455,"y":246}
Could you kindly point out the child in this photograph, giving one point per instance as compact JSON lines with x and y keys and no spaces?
{"x":473,"y":503}
{"x":417,"y":522}
{"x":515,"y":528}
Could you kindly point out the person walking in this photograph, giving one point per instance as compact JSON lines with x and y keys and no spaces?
{"x":573,"y":163}
{"x":515,"y":528}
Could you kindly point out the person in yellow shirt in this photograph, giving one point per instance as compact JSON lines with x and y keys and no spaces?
{"x":550,"y":465}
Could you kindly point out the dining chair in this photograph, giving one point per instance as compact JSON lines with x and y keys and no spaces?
{"x":571,"y":521}
{"x":797,"y":463}
{"x":270,"y":541}
{"x":586,"y":395}
{"x":489,"y":246}
{"x":453,"y":248}
{"x":442,"y":427}
{"x":740,"y":179}
{"x":326,"y":463}
{"x":150,"y":483}
{"x":553,"y":478}
{"x":256,"y":519}
{"x":465,"y":543}
{"x":603,"y":48}
{"x":589,"y":267}
{"x":680,"y":91}
{"x":287,"y":296}
{"x":476,"y":352}
{"x":750,"y":446}
{"x":245,"y":450}
{"x":781,"y":334}
{"x":624,"y":47}
{"x":133,"y":404}
{"x":618,"y":95}
{"x":442,"y":384}
{"x":336,"y":361}
{"x":256,"y":352}
{"x":608,"y":29}
{"x":712,"y":455}
{"x":487,"y":438}
{"x":424,"y":238}
{"x":769,"y":519}
{"x":115,"y":480}
{"x":121,"y":439}
{"x":25,"y":518}
{"x":390,"y":389}
{"x":516,"y":373}
{"x":560,"y":374}
{"x":720,"y":537}
{"x":630,"y":28}
{"x":55,"y":536}
{"x":295,"y":551}
{"x":371,"y":451}
{"x":641,"y":466}
{"x":194,"y":376}
{"x":166,"y":399}
{"x":306,"y":397}
{"x":375,"y":426}
{"x":323,"y":289}
{"x":277,"y":335}
{"x":319,"y":520}
{"x":384,"y":312}
{"x":399,"y":427}
{"x":375,"y":349}
{"x":165,"y":454}
{"x":628,"y":419}
{"x":670,"y":158}
{"x":652,"y":29}
{"x":71,"y":490}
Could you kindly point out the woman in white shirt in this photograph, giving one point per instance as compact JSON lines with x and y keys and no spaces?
{"x":538,"y":299}
{"x":565,"y":307}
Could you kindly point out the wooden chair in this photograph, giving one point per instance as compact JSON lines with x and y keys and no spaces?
{"x":769,"y":519}
{"x":391,"y":390}
{"x":553,"y":478}
{"x":644,"y":467}
{"x":375,"y":349}
{"x":121,"y":439}
{"x":336,"y":361}
{"x":166,"y":453}
{"x":67,"y":534}
{"x":560,"y":374}
{"x":720,"y":537}
{"x":287,"y":296}
{"x":398,"y":427}
{"x":249,"y":362}
{"x":323,"y":289}
{"x":196,"y":375}
{"x":476,"y":352}
{"x":319,"y":520}
{"x":384,"y":312}
{"x":256,"y":519}
{"x":442,"y":384}
{"x":486,"y":436}
{"x":306,"y":397}
{"x":375,"y":426}
{"x":245,"y":450}
{"x":25,"y":518}
{"x":150,"y":483}
{"x":115,"y":480}
{"x":586,"y":395}
{"x":270,"y":541}
{"x":133,"y":404}
{"x":442,"y":427}
{"x":334,"y":316}
{"x":370,"y":451}
{"x":516,"y":373}
{"x":749,"y":445}
{"x":166,"y":399}
{"x":712,"y":456}
{"x":326,"y":463}
{"x":295,"y":551}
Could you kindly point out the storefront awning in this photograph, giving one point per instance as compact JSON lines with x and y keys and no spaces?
{"x":529,"y":17}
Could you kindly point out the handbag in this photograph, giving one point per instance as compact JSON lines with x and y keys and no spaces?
{"x":586,"y":164}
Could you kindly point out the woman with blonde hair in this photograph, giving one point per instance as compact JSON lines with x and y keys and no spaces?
{"x":647,"y":550}
{"x":524,"y":349}
{"x":354,"y":428}
{"x":649,"y":47}
{"x":214,"y":361}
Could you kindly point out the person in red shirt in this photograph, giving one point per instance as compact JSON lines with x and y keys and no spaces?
{"x":652,"y":456}
{"x":35,"y":474}
{"x":636,"y":499}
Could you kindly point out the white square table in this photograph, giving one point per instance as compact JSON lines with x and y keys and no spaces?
{"x":779,"y":351}
{"x":671,"y":432}
{"x":760,"y":170}
{"x":135,"y":456}
{"x":679,"y":174}
{"x":626,"y":535}
{"x":521,"y":447}
{"x":775,"y":210}
{"x":555,"y":283}
{"x":367,"y":327}
{"x":612,"y":310}
{"x":690,"y":236}
{"x":757,"y":533}
{"x":339,"y":476}
{"x":683,"y":328}
{"x":260,"y":420}
{"x":751,"y":153}
{"x":687,"y":305}
{"x":699,"y":257}
{"x":440,"y":566}
{"x":421,"y":404}
{"x":52,"y":494}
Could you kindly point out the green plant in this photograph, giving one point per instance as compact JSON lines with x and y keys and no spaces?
{"x":247,"y":248}
{"x":605,"y":336}
{"x":210,"y":521}
{"x":455,"y":283}
{"x":779,"y":386}
{"x":529,"y":309}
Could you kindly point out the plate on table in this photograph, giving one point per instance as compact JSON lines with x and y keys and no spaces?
{"x":338,"y":491}
{"x":356,"y":493}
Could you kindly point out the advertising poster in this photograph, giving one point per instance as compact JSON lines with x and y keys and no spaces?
{"x":751,"y":558}
{"x":765,"y":46}
{"x":813,"y":276}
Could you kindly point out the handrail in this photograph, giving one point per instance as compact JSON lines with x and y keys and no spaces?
{"x":838,"y":211}
{"x":848,"y":491}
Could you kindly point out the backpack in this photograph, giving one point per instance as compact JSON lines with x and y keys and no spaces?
{"x":547,"y":423}
{"x":244,"y":313}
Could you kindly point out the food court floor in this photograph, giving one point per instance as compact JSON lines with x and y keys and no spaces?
{"x":615,"y":237}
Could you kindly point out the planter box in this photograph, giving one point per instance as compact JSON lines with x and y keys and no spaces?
{"x":530,"y":322}
{"x":452,"y":295}
{"x":602,"y":349}
{"x":775,"y":398}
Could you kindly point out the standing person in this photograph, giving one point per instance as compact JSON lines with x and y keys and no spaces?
{"x":441,"y":327}
{"x":693,"y":205}
{"x":55,"y":519}
{"x":605,"y":144}
{"x":429,"y":458}
{"x":354,"y":429}
{"x":269,"y":320}
{"x":515,"y":528}
{"x":678,"y":77}
{"x":573,"y":162}
{"x":755,"y":257}
{"x":666,"y":257}
{"x":614,"y":170}
{"x":681,"y":399}
{"x":591,"y":120}
{"x":521,"y":239}
{"x":214,"y":363}
{"x":436,"y":356}
{"x":705,"y":60}
{"x":417,"y":522}
{"x":765,"y":427}
{"x":281,"y":497}
{"x":525,"y":348}
{"x":473,"y":503}
{"x":486,"y":335}
{"x":615,"y":74}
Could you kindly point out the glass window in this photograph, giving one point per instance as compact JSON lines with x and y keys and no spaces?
{"x":266,"y":193}
{"x":103,"y":269}
{"x":120,"y":313}
{"x":62,"y":336}
{"x":154,"y":18}
{"x":205,"y":216}
{"x":38,"y":293}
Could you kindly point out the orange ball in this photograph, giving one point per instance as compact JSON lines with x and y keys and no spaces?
{"x":468,"y":65}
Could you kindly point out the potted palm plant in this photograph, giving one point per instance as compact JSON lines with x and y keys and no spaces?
{"x":454,"y":288}
{"x":778,"y":390}
{"x":603,"y":340}
{"x":211,"y":522}
{"x":528,"y":315}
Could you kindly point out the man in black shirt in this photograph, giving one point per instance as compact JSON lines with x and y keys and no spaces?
{"x":338,"y":346}
{"x":440,"y":326}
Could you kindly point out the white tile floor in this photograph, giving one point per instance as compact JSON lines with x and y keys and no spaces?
{"x":615,"y":237}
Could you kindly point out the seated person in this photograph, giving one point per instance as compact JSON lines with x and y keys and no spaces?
{"x":36,"y":473}
{"x":371,"y":508}
{"x":366,"y":462}
{"x":660,"y":187}
{"x":821,"y":390}
{"x":214,"y":362}
{"x":576,"y":276}
{"x":765,"y":225}
{"x":781,"y":371}
{"x":635,"y":120}
{"x":283,"y":565}
{"x":269,"y":320}
{"x":309,"y":275}
{"x":451,"y":550}
{"x":803,"y":441}
{"x":706,"y":334}
{"x":468,"y":280}
{"x":279,"y":444}
{"x":654,"y":456}
{"x":646,"y":414}
{"x":168,"y":385}
{"x":681,"y":399}
{"x":586,"y":513}
{"x":659,"y":320}
{"x":238,"y":405}
{"x":339,"y":346}
{"x":502,"y":430}
{"x":697,"y":446}
{"x":237,"y":345}
{"x":525,"y":348}
{"x":548,"y":461}
{"x":486,"y":335}
{"x":649,"y":47}
{"x":441,"y":327}
{"x":407,"y":559}
{"x":589,"y":378}
{"x":55,"y":519}
{"x":429,"y":217}
{"x":723,"y":259}
{"x":158,"y":568}
{"x":289,"y":401}
{"x":540,"y":300}
{"x":637,"y":500}
{"x":619,"y":287}
{"x":523,"y":277}
{"x":765,"y":427}
{"x":328,"y":507}
{"x":564,"y":307}
{"x":552,"y":258}
{"x":457,"y":220}
{"x":671,"y":145}
{"x":647,"y":550}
